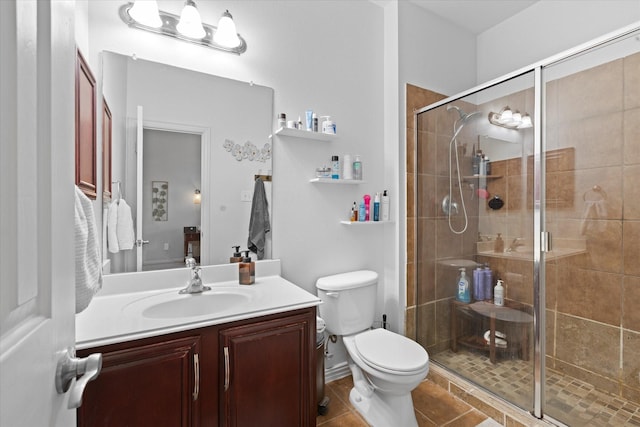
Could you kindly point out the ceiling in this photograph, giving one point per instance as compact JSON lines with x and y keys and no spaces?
{"x":475,"y":16}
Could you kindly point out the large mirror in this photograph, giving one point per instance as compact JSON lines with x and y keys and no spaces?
{"x":205,"y":139}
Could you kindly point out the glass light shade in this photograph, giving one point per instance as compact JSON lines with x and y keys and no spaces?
{"x":526,"y":122}
{"x":516,"y":118}
{"x":146,"y":13}
{"x":226,"y":34}
{"x":190,"y":24}
{"x":197,"y":197}
{"x":506,"y":116}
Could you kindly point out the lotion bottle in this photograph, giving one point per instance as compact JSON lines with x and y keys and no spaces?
{"x":247,"y":270}
{"x":385,"y":206}
{"x":237,"y":256}
{"x":498,"y":294}
{"x":464,"y":293}
{"x":498,"y":245}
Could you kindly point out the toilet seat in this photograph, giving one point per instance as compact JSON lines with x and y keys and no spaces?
{"x":392,"y":353}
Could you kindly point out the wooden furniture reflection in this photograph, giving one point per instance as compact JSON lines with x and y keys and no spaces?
{"x":193,"y":238}
{"x":470,"y":321}
{"x":86,"y":170}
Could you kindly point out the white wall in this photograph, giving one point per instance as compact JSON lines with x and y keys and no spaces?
{"x":547,"y":28}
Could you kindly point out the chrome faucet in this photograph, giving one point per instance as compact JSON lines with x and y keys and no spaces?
{"x":514,"y":245}
{"x":195,"y":284}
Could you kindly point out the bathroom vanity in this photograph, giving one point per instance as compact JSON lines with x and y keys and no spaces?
{"x":250,"y":361}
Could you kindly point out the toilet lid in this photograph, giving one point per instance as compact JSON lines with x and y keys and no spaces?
{"x":391,"y":352}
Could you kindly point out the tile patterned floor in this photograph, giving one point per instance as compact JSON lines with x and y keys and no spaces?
{"x":434,"y":406}
{"x":568,"y":400}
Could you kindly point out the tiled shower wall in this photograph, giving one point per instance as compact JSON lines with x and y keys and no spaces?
{"x":593,"y":321}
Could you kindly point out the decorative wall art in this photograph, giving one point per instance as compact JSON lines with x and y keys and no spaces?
{"x":248,"y":151}
{"x":160,"y":200}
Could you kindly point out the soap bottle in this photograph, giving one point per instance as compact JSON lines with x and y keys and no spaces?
{"x":498,"y":294}
{"x":237,"y":256}
{"x":464,"y":294}
{"x":498,"y":245}
{"x":357,"y":168}
{"x":247,"y":270}
{"x":385,"y":206}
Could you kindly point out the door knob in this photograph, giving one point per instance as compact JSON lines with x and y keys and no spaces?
{"x":82,"y":370}
{"x":141,"y":242}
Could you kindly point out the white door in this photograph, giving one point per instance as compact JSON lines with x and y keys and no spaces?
{"x":139,"y":174}
{"x":37,"y":294}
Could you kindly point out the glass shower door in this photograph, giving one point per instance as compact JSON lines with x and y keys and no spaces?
{"x":475,"y":213}
{"x":592,"y":150}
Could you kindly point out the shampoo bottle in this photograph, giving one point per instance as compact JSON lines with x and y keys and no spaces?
{"x":376,"y":207}
{"x":487,"y":282}
{"x":347,"y":167}
{"x":478,"y":285}
{"x":357,"y":168}
{"x":237,"y":256}
{"x":335,"y":167}
{"x":498,"y":294}
{"x":385,"y":206}
{"x":464,"y":293}
{"x":361,"y":212}
{"x":247,"y":270}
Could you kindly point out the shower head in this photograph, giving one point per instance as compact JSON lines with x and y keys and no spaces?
{"x":463,"y":116}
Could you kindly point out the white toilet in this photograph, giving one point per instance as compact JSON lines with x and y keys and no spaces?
{"x":385,"y":366}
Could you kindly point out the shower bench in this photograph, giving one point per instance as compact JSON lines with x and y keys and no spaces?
{"x":468,"y":325}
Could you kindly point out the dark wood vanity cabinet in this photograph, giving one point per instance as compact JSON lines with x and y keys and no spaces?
{"x":269,"y":365}
{"x":255,"y":372}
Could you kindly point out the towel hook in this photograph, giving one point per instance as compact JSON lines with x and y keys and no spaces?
{"x":595,"y":191}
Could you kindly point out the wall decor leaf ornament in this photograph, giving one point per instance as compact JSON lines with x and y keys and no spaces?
{"x":160,"y":200}
{"x":248,"y":151}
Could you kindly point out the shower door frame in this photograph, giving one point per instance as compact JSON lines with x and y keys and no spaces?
{"x":541,"y":238}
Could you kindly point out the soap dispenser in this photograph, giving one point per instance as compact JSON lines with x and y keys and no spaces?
{"x":237,"y":256}
{"x":247,"y":270}
{"x":464,"y":293}
{"x":498,"y":245}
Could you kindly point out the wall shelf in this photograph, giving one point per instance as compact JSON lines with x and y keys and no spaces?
{"x":297,"y":133}
{"x":336,"y":181}
{"x":364,"y":223}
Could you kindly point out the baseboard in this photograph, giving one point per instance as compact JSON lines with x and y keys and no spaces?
{"x":336,"y":372}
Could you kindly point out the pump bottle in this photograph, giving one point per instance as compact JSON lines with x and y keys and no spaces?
{"x":498,"y":294}
{"x":237,"y":256}
{"x":247,"y":270}
{"x":464,"y":293}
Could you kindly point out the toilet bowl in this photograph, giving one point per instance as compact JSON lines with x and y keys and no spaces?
{"x":385,"y":366}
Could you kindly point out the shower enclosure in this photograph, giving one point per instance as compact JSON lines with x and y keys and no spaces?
{"x":534,"y":179}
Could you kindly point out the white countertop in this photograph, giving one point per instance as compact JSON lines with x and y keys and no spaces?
{"x":116,"y":313}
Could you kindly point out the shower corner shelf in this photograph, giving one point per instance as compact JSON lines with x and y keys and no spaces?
{"x":336,"y":181}
{"x":482,"y":176}
{"x":297,"y":133}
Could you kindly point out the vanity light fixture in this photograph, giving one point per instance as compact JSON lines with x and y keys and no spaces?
{"x":144,"y":15}
{"x":510,"y":120}
{"x":197,"y":197}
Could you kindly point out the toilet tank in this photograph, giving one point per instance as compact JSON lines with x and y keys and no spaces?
{"x":348,"y":301}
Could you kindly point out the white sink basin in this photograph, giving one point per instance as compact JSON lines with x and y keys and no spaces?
{"x":171,"y":305}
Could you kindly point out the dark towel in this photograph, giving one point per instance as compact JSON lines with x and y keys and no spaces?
{"x":259,"y":221}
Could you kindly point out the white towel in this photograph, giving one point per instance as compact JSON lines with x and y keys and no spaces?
{"x":593,"y":216}
{"x":124,"y":229}
{"x":88,"y":262}
{"x":112,"y":224}
{"x":120,"y":235}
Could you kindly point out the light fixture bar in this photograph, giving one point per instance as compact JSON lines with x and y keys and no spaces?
{"x":168,"y":28}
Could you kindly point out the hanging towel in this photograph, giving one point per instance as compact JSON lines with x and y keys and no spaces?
{"x":88,"y":262}
{"x":124,"y":229}
{"x":593,"y":216}
{"x":112,"y":225}
{"x":259,"y":221}
{"x":120,"y":235}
